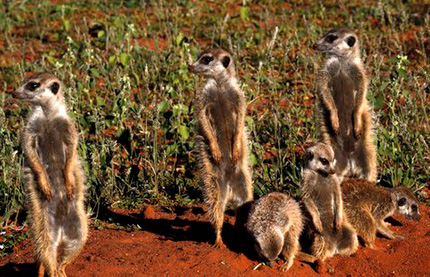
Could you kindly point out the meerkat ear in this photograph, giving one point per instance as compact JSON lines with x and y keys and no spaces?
{"x":226,"y":61}
{"x":55,"y":87}
{"x":309,"y":155}
{"x":350,"y":41}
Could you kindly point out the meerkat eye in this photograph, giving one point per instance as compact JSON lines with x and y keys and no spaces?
{"x":414,"y":208}
{"x":32,"y":86}
{"x":55,"y":87}
{"x":401,"y":202}
{"x":324,"y":161}
{"x":206,"y":59}
{"x":331,"y":38}
{"x":226,"y":61}
{"x":350,"y":41}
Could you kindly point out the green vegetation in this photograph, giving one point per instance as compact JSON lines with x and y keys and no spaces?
{"x":124,"y":64}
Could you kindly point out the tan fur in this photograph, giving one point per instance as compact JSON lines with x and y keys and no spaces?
{"x":221,"y":142}
{"x":330,"y":231}
{"x":275,"y":223}
{"x":344,"y":115}
{"x":53,"y":176}
{"x":368,"y":205}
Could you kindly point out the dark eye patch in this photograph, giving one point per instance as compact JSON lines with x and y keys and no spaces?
{"x":324,"y":161}
{"x":350,"y":41}
{"x":331,"y":38}
{"x":401,"y":202}
{"x":55,"y":87}
{"x":206,"y":59}
{"x":32,"y":86}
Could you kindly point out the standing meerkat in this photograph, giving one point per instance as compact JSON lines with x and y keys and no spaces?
{"x":221,"y":141}
{"x":367,"y":206}
{"x":321,"y":194}
{"x":344,"y":115}
{"x":53,"y":176}
{"x":275,"y":223}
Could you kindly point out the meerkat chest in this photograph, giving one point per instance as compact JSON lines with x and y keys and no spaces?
{"x":324,"y":199}
{"x":223,"y":111}
{"x":50,"y":144}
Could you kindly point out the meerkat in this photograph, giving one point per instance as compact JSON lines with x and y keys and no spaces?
{"x":274,"y":222}
{"x":344,"y":115}
{"x":321,"y":195}
{"x":221,"y":140}
{"x":367,"y":206}
{"x":53,"y":175}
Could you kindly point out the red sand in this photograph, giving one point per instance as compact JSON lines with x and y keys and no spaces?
{"x":178,"y":244}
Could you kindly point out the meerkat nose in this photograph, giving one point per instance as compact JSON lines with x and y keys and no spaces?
{"x":191,"y":68}
{"x":314,"y":46}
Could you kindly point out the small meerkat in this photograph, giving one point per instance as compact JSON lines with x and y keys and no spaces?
{"x":344,"y":115}
{"x":53,"y":175}
{"x":275,"y":223}
{"x":367,"y":206}
{"x":321,"y":195}
{"x":221,"y":141}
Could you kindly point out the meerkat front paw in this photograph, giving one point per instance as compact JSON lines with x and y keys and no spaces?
{"x":318,"y":227}
{"x":399,"y":237}
{"x":285,"y":266}
{"x":338,"y":226}
{"x":358,"y":127}
{"x":237,"y":154}
{"x":216,"y":154}
{"x":70,"y":184}
{"x":335,"y":123}
{"x":45,"y":187}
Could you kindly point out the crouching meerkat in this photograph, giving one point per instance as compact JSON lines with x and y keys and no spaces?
{"x":321,"y":194}
{"x":221,"y":141}
{"x":367,"y":206}
{"x":274,"y":222}
{"x":53,"y":176}
{"x":344,"y":115}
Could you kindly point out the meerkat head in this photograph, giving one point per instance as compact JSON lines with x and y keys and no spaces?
{"x":41,"y":89}
{"x":406,"y":203}
{"x":269,"y":245}
{"x":214,"y":63}
{"x":341,"y":42}
{"x":320,"y":158}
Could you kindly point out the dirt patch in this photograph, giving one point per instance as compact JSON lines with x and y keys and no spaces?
{"x":177,"y":243}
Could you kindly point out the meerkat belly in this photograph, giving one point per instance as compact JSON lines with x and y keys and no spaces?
{"x":326,"y":206}
{"x":223,"y":119}
{"x":52,"y":154}
{"x":344,"y":91}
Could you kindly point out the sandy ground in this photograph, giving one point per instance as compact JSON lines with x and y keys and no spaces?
{"x":178,"y":243}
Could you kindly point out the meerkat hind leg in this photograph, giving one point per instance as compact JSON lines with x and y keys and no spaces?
{"x":74,"y":238}
{"x":366,"y":227}
{"x":217,"y":199}
{"x":347,"y":241}
{"x":41,"y":270}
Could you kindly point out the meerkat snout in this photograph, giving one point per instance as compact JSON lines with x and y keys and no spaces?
{"x":39,"y":89}
{"x":213,"y":63}
{"x":338,"y":41}
{"x":406,"y":204}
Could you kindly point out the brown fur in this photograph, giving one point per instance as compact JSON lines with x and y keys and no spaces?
{"x":344,"y":115}
{"x":53,"y":176}
{"x":368,"y":205}
{"x":221,"y":141}
{"x":275,"y":223}
{"x":330,"y":231}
